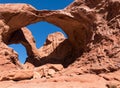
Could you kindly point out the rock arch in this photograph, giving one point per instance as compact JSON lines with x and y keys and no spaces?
{"x":78,"y":26}
{"x":91,"y":25}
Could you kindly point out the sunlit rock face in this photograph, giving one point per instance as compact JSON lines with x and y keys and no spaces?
{"x":14,"y":20}
{"x":92,"y":46}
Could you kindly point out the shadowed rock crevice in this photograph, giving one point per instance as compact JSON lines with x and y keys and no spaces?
{"x":56,"y":50}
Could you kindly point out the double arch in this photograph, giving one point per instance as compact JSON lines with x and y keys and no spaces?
{"x":77,"y":26}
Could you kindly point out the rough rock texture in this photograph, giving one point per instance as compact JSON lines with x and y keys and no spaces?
{"x":56,"y":50}
{"x":16,"y":75}
{"x":91,"y":52}
{"x":8,"y":58}
{"x":104,"y":46}
{"x":26,"y":15}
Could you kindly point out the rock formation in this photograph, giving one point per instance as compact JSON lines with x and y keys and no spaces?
{"x":90,"y":51}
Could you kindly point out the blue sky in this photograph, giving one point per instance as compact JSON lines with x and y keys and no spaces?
{"x":39,"y":30}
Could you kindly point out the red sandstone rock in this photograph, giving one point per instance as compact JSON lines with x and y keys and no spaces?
{"x":52,"y":42}
{"x":47,"y":71}
{"x":112,"y":78}
{"x":16,"y":75}
{"x":8,"y":59}
{"x":90,"y":53}
{"x":83,"y":81}
{"x":55,"y":50}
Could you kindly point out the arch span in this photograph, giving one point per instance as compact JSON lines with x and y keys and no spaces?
{"x":33,"y":35}
{"x":78,"y":26}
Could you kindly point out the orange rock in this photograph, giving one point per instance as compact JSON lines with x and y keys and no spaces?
{"x":16,"y":75}
{"x":92,"y":45}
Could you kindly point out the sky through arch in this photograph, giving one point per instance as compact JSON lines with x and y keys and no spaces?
{"x":39,"y":30}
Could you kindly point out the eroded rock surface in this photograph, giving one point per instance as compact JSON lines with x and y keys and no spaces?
{"x":56,"y":50}
{"x":90,"y":53}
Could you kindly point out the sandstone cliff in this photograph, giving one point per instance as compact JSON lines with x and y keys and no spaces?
{"x":91,"y":52}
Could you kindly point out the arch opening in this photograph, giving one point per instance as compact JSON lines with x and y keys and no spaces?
{"x":40,"y":32}
{"x":40,"y":37}
{"x":20,"y":49}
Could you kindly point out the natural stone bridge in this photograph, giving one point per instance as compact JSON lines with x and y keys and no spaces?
{"x":14,"y":18}
{"x":92,"y":49}
{"x":81,"y":21}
